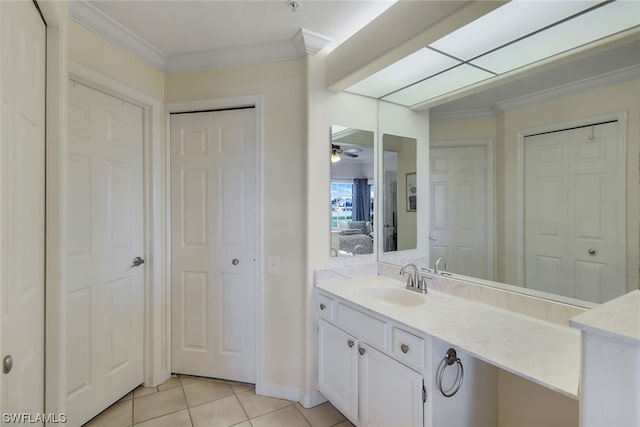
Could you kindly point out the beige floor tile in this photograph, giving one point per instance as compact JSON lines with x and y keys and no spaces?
{"x":177,"y":419}
{"x":324,"y":415}
{"x":170,"y":383}
{"x":188,"y":379}
{"x":205,"y":391}
{"x":346,"y":423}
{"x":158,"y":404}
{"x":255,"y":405}
{"x":219,"y":413}
{"x":244,"y":424}
{"x":143,"y":391}
{"x":117,"y":415}
{"x":126,"y":397}
{"x":239,"y":387}
{"x":286,"y":417}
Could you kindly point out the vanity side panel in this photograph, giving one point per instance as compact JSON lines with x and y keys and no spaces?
{"x":610,"y":389}
{"x":524,"y":403}
{"x":476,"y":403}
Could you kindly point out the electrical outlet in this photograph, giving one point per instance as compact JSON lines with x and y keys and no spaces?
{"x":273,"y":265}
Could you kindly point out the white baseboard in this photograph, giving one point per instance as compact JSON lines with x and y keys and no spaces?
{"x":279,"y":392}
{"x":311,"y":400}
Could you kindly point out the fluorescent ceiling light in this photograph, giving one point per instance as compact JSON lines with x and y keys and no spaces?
{"x":456,"y":78}
{"x":507,"y":23}
{"x":602,"y":22}
{"x":415,"y":67}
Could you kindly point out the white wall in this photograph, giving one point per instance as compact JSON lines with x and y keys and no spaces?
{"x":323,"y":109}
{"x":283,"y":85}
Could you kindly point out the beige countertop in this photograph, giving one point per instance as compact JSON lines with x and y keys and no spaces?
{"x":545,"y":353}
{"x":618,"y":318}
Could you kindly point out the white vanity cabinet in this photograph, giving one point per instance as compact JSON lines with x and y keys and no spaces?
{"x":368,"y":387}
{"x":338,"y":368}
{"x":378,"y":372}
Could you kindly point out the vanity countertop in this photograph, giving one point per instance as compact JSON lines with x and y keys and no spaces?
{"x":542,"y":352}
{"x":618,"y":318}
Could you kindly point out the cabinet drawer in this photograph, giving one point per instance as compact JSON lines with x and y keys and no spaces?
{"x":363,"y":326}
{"x":326,"y":307}
{"x":408,"y":348}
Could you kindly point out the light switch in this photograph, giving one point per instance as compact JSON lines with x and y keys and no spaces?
{"x":273,"y":265}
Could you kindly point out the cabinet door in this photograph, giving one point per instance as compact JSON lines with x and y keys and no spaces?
{"x":390,"y":393}
{"x":338,"y":368}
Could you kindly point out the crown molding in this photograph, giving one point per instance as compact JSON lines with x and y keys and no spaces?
{"x":442,"y":116}
{"x":310,"y":42}
{"x":89,"y":16}
{"x":304,"y":42}
{"x":590,"y":83}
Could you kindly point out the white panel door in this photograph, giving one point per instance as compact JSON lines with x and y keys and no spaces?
{"x":459,"y":208}
{"x":214,"y":244}
{"x":390,"y":393}
{"x":338,"y":368}
{"x":22,"y":198}
{"x":103,"y":293}
{"x":574,"y":195}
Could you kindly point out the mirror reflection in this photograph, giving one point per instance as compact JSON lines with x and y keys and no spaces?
{"x":400,"y":193}
{"x":562,"y":147}
{"x":352,"y":191}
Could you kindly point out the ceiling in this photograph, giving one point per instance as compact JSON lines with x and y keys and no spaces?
{"x":187,"y":35}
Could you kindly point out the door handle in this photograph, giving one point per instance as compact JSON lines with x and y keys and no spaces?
{"x":137,"y":261}
{"x":7,"y":364}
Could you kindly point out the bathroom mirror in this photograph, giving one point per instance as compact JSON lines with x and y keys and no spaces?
{"x":535,"y":182}
{"x":352,"y":191}
{"x":400,"y":191}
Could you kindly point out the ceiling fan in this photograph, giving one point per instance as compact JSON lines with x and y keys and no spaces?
{"x":349,"y":152}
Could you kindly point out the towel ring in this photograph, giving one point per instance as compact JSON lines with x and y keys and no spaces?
{"x":449,"y":359}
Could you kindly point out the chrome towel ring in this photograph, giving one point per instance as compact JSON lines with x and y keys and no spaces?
{"x":449,"y":359}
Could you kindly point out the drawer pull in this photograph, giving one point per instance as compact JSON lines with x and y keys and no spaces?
{"x":350,"y":343}
{"x":404,"y":348}
{"x":361,"y":350}
{"x":322,"y":306}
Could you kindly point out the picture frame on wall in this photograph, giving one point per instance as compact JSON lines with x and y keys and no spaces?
{"x":412,"y":192}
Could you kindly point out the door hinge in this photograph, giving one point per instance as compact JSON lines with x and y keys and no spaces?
{"x":424,"y":393}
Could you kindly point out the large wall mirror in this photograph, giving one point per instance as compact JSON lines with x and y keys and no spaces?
{"x":400,"y":193}
{"x":535,"y":182}
{"x":352,"y":191}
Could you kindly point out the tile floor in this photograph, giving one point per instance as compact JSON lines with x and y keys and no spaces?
{"x":185,"y":401}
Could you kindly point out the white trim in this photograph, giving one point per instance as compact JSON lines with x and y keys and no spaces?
{"x":621,"y":117}
{"x":490,"y":200}
{"x":309,"y":42}
{"x":590,"y":83}
{"x":155,"y":250}
{"x":442,"y":116}
{"x":311,"y":400}
{"x":87,"y":15}
{"x":233,"y":102}
{"x":55,"y":15}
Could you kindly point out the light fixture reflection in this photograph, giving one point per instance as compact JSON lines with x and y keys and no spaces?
{"x":334,"y":156}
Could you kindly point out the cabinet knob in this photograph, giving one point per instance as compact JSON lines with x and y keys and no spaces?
{"x":350,"y":343}
{"x":322,"y":306}
{"x":404,"y":348}
{"x":361,"y":350}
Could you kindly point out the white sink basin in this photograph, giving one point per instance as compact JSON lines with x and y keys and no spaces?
{"x":401,"y":297}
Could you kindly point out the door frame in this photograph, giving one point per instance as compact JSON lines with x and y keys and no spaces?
{"x":621,"y":117}
{"x":490,"y":220}
{"x":256,"y":101}
{"x":155,"y":273}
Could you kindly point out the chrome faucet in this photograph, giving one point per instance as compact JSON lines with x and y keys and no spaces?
{"x":412,"y":280}
{"x":435,"y":271}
